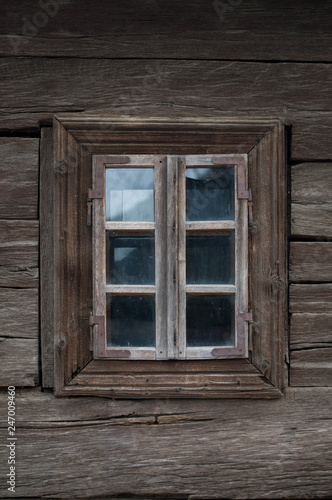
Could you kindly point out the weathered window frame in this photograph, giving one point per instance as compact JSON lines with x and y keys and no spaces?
{"x":76,"y":139}
{"x":169,"y":230}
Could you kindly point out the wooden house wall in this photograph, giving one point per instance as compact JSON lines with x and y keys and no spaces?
{"x":169,"y":58}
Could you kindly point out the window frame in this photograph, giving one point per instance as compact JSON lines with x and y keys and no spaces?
{"x":169,"y":229}
{"x":76,"y":140}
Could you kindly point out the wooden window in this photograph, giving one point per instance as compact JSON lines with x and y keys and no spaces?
{"x":174,"y":362}
{"x":170,"y":239}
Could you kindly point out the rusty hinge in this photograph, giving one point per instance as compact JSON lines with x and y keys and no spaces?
{"x":100,"y":322}
{"x":101,"y":340}
{"x":242,"y":192}
{"x":250,"y":216}
{"x":98,"y":192}
{"x":241,"y":319}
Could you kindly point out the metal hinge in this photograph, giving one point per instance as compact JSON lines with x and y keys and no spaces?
{"x":100,"y":322}
{"x":98,"y":192}
{"x":101,"y":340}
{"x":241,"y":319}
{"x":242,"y":192}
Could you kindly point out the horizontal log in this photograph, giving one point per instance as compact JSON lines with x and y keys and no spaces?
{"x":19,"y":313}
{"x":310,"y":298}
{"x":310,"y":262}
{"x":18,"y":178}
{"x":19,"y":254}
{"x":182,"y":30}
{"x":172,"y":88}
{"x":311,"y":367}
{"x":310,"y":330}
{"x":183,"y":455}
{"x":19,"y":362}
{"x":311,"y":199}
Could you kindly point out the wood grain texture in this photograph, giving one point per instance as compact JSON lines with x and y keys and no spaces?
{"x":72,"y":256}
{"x":160,"y":448}
{"x":311,"y":367}
{"x":46,"y":204}
{"x":311,"y":346}
{"x":19,"y":313}
{"x":311,"y":199}
{"x":310,"y":330}
{"x":267,"y":255}
{"x":19,"y":362}
{"x":19,"y":253}
{"x":19,"y":178}
{"x":310,"y":298}
{"x":168,"y":29}
{"x":310,"y":262}
{"x":189,"y":88}
{"x":263,"y":378}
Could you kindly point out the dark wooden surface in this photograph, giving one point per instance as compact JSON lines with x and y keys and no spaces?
{"x":313,"y":298}
{"x":298,"y":92}
{"x":19,"y":313}
{"x":72,"y":256}
{"x":19,"y":253}
{"x":19,"y":178}
{"x":170,"y":29}
{"x":170,"y":59}
{"x":165,"y":448}
{"x":46,"y":263}
{"x":311,"y":200}
{"x":310,"y":262}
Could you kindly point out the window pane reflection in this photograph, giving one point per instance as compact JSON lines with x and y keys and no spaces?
{"x":210,"y":320}
{"x":130,"y":194}
{"x":209,"y":194}
{"x":130,"y":260}
{"x":131,"y":321}
{"x":210,"y":259}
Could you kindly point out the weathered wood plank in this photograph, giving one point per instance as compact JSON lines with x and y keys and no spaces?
{"x":311,"y":199}
{"x":18,"y":178}
{"x":190,"y":87}
{"x":310,"y":262}
{"x":19,"y":313}
{"x":291,"y":436}
{"x":47,"y":256}
{"x":43,"y":409}
{"x":73,"y":286}
{"x":19,"y":362}
{"x":310,"y":330}
{"x":181,"y":30}
{"x":311,"y":367}
{"x":19,"y":254}
{"x":310,"y":298}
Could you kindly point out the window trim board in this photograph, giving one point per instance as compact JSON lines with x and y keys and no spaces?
{"x":76,"y":373}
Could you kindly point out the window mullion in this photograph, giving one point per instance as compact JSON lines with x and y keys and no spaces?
{"x":181,"y":194}
{"x":172,"y":256}
{"x":161,"y":256}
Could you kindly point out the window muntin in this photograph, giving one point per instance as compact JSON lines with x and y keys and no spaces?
{"x":171,"y":267}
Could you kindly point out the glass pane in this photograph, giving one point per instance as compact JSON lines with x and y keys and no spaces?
{"x":130,"y":194}
{"x":210,"y":193}
{"x":210,"y":320}
{"x":210,"y":259}
{"x":131,"y":321}
{"x":130,"y":260}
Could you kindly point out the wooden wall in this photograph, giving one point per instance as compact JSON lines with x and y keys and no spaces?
{"x":169,"y":58}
